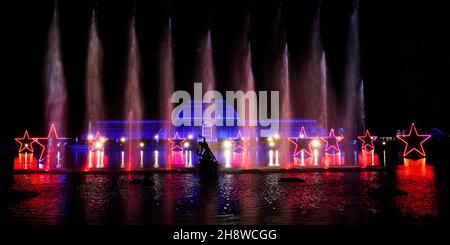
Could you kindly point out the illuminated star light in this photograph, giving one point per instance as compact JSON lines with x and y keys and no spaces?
{"x":332,"y":141}
{"x":302,"y":143}
{"x":26,"y":143}
{"x":176,"y":143}
{"x":414,"y":141}
{"x":97,"y":142}
{"x":367,"y":140}
{"x":52,"y":134}
{"x":240,"y":143}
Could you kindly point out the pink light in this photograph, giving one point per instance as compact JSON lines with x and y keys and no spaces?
{"x":300,"y":150}
{"x":52,"y":133}
{"x":176,"y":143}
{"x":367,"y":140}
{"x":416,"y":147}
{"x":26,"y":143}
{"x":334,"y":141}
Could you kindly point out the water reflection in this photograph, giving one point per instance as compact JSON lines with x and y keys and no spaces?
{"x":324,"y":198}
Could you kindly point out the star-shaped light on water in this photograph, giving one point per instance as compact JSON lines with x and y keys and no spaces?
{"x":52,"y":141}
{"x":332,"y":141}
{"x":302,"y":143}
{"x":367,"y":141}
{"x":176,"y":143}
{"x":414,"y":141}
{"x":97,"y":142}
{"x":240,"y":143}
{"x":26,"y":143}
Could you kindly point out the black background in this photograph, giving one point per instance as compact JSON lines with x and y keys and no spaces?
{"x":405,"y":53}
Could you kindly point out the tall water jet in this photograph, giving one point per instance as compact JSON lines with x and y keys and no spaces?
{"x":166,"y":77}
{"x":93,"y":80}
{"x":133,"y":97}
{"x":281,"y":74}
{"x":353,"y":116}
{"x":55,"y":88}
{"x":285,"y":92}
{"x":282,"y":78}
{"x":323,"y":88}
{"x":205,"y":68}
{"x":55,"y":83}
{"x":314,"y":78}
{"x":206,"y":75}
{"x":242,"y":73}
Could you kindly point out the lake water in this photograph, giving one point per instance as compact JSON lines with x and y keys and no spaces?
{"x":246,"y":198}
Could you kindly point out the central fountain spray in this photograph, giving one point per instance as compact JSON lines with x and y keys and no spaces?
{"x":314,"y":77}
{"x":94,"y":94}
{"x":55,"y":88}
{"x":133,"y":98}
{"x":354,"y":97}
{"x":206,"y":74}
{"x":166,"y":74}
{"x":243,"y":79}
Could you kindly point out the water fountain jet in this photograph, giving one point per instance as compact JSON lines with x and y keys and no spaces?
{"x":166,"y":74}
{"x":55,"y":86}
{"x":133,"y":98}
{"x":93,"y":80}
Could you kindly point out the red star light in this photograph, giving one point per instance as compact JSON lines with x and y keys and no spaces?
{"x":302,"y":143}
{"x":26,"y":143}
{"x":50,"y":140}
{"x":414,"y":141}
{"x":176,"y":143}
{"x":332,"y":141}
{"x":367,"y":141}
{"x":97,"y":142}
{"x":240,"y":143}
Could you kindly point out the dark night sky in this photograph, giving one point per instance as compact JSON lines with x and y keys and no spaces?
{"x":405,"y":53}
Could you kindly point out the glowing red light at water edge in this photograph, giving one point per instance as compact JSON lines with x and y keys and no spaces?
{"x":176,"y":143}
{"x":332,"y":141}
{"x":367,"y":141}
{"x":26,"y":143}
{"x":240,"y":143}
{"x":414,"y":141}
{"x":302,"y":136}
{"x":51,"y":134}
